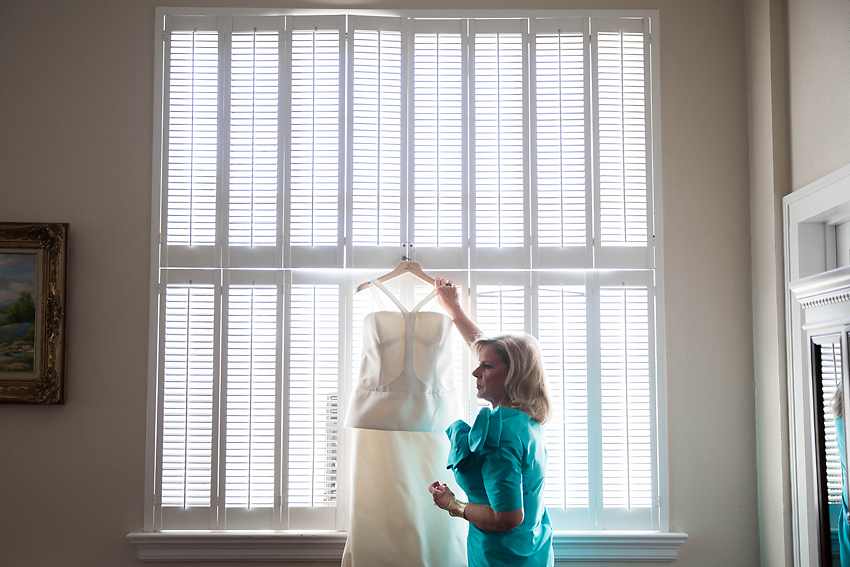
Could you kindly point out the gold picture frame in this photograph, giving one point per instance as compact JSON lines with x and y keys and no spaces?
{"x":33,"y":295}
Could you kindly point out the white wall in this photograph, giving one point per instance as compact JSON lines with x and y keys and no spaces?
{"x":76,"y":108}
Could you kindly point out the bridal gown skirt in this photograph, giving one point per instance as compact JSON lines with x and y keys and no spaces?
{"x":393,"y":521}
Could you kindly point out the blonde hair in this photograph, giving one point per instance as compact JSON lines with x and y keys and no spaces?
{"x":526,"y":383}
{"x":837,"y":402}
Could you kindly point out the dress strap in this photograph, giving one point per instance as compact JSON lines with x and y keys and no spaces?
{"x":422,"y":303}
{"x":380,"y":286}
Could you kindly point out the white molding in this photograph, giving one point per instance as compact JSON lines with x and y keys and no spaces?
{"x":822,"y":202}
{"x":396,"y":13}
{"x":238,"y":546}
{"x":328,"y":546}
{"x":822,"y":289}
{"x":836,"y":177}
{"x":617,"y":546}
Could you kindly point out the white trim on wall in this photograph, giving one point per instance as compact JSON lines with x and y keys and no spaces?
{"x":328,"y":546}
{"x":810,"y":215}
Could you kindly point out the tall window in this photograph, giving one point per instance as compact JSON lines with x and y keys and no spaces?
{"x":302,"y":155}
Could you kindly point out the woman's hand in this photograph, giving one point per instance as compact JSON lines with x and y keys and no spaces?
{"x":442,"y":494}
{"x":447,"y":297}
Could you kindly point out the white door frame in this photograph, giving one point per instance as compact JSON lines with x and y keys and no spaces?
{"x":810,"y":217}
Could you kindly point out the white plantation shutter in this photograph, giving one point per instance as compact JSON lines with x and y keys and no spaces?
{"x":299,"y":151}
{"x":251,"y":435}
{"x":376,"y":136}
{"x":313,"y":395}
{"x":187,"y":396}
{"x":315,"y":129}
{"x":438,"y":139}
{"x":561,"y":134}
{"x":499,"y":147}
{"x":830,"y":367}
{"x":500,"y":309}
{"x":254,"y":85}
{"x":562,"y":332}
{"x":192,"y":149}
{"x":621,"y":81}
{"x":625,"y":383}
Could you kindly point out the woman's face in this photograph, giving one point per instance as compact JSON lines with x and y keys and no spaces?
{"x":490,"y":377}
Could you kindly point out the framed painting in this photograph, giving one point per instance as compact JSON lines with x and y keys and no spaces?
{"x":33,"y":292}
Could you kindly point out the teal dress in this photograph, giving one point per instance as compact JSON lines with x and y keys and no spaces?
{"x":501,"y":461}
{"x":843,"y":527}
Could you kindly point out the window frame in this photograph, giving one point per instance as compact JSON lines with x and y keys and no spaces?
{"x":654,"y":236}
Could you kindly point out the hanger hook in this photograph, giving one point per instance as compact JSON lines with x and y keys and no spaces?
{"x":407,"y":255}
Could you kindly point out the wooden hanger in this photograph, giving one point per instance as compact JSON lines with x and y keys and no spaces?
{"x":404,"y":267}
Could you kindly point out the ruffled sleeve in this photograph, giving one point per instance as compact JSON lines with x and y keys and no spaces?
{"x":478,"y":440}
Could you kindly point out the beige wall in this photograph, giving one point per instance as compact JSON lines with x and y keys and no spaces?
{"x":767,"y":79}
{"x":76,"y":108}
{"x":819,"y":55}
{"x":798,"y":57}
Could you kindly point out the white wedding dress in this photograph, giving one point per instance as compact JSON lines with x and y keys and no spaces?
{"x":399,"y":412}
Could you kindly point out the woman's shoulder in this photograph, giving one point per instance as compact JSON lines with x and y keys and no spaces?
{"x":500,"y":428}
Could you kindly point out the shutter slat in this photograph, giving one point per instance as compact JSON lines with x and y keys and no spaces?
{"x":562,"y":323}
{"x":830,"y":367}
{"x":254,"y":139}
{"x":438,"y":139}
{"x":498,"y":151}
{"x":187,"y":396}
{"x":314,"y":138}
{"x":313,"y":395}
{"x":499,"y":309}
{"x":376,"y":138}
{"x":625,"y":385}
{"x":560,"y":135}
{"x":251,"y":396}
{"x":622,"y":142}
{"x":192,"y":138}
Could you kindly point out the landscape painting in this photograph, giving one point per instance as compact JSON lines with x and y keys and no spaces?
{"x":18,"y":297}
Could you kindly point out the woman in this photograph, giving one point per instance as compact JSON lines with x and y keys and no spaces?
{"x":500,"y":462}
{"x":837,"y":406}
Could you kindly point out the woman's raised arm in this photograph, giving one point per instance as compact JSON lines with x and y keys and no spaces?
{"x":447,"y":296}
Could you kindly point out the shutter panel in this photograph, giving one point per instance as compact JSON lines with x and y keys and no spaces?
{"x":830,"y":365}
{"x":250,"y":469}
{"x":187,"y":401}
{"x":625,"y":383}
{"x":499,"y":145}
{"x":376,"y":138}
{"x":499,"y":309}
{"x":315,"y":138}
{"x":562,"y":324}
{"x":438,"y":132}
{"x":313,"y":395}
{"x":192,"y":138}
{"x":345,"y":140}
{"x":560,"y":139}
{"x":621,"y":83}
{"x":254,"y":138}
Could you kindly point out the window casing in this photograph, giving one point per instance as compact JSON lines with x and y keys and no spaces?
{"x":301,"y":155}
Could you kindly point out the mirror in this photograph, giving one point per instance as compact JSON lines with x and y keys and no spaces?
{"x":826,"y":374}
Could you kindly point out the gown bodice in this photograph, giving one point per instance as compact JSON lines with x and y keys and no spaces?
{"x":406,"y":381}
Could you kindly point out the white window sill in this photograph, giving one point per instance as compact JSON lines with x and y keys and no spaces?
{"x":328,"y":546}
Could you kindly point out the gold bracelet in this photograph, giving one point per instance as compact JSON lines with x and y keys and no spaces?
{"x":457,"y":508}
